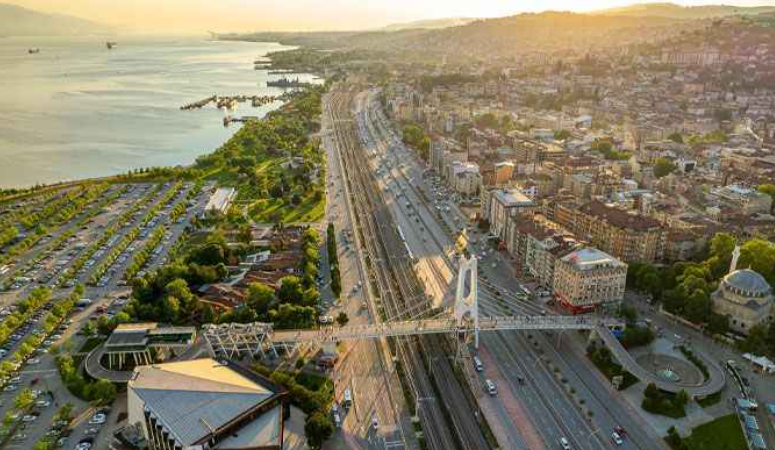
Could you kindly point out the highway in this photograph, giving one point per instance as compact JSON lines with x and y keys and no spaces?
{"x":552,"y":412}
{"x":447,"y":421}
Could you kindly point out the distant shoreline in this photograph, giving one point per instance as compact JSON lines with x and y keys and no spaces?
{"x":184,"y":147}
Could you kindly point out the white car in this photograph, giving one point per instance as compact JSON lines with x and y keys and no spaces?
{"x":43,"y":403}
{"x":29,"y":418}
{"x":97,"y":419}
{"x":564,"y":444}
{"x":33,"y":361}
{"x":616,"y":438}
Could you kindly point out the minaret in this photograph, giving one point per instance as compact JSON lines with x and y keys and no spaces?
{"x":735,"y":257}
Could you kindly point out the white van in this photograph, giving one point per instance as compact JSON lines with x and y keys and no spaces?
{"x":337,"y":420}
{"x":478,"y":364}
{"x":490,"y":387}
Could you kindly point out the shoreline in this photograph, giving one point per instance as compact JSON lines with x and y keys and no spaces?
{"x":208,"y":148}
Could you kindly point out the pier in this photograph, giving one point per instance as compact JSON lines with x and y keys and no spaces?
{"x":231,"y":101}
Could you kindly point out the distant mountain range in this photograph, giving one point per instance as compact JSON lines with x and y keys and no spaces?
{"x":430,"y":24}
{"x":673,"y":11}
{"x":18,"y":21}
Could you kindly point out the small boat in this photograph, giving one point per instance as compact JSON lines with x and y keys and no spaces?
{"x":110,"y":45}
{"x":33,"y":51}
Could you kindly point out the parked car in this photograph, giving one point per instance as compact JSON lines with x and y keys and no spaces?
{"x":97,"y":419}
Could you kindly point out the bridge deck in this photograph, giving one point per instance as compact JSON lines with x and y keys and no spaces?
{"x":436,"y":326}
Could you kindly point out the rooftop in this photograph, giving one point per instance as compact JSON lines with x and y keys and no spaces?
{"x":194,"y":399}
{"x":512,"y":198}
{"x":591,"y":258}
{"x":749,"y":281}
{"x":618,"y":217}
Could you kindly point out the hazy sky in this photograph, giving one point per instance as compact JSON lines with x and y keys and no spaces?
{"x":198,"y":16}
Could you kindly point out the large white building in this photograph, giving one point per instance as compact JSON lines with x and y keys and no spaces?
{"x":588,"y":278}
{"x":220,"y":201}
{"x":205,"y":404}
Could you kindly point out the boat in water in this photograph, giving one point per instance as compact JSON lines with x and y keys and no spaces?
{"x":286,"y":83}
{"x":110,"y":45}
{"x":33,"y":51}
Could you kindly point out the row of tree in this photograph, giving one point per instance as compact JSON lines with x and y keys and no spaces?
{"x":333,"y":260}
{"x":414,"y":136}
{"x":108,"y":233}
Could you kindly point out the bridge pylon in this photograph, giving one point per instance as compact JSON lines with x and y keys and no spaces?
{"x":466,"y":309}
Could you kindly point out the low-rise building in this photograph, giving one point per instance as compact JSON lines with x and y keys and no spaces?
{"x":206,"y":404}
{"x":220,"y":201}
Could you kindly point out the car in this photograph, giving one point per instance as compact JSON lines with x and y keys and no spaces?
{"x":15,"y":380}
{"x":43,"y":403}
{"x":10,"y":388}
{"x":19,"y":437}
{"x":61,"y":442}
{"x":478,"y":364}
{"x":564,"y":444}
{"x":620,"y":431}
{"x":374,"y":422}
{"x":490,"y":386}
{"x":92,"y":431}
{"x":97,"y":419}
{"x":29,"y":418}
{"x":616,"y":439}
{"x":83,"y":446}
{"x":33,"y":361}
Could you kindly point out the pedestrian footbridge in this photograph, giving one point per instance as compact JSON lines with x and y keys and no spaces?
{"x":713,"y":384}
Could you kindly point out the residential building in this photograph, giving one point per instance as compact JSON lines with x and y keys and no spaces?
{"x":587,"y":278}
{"x":624,"y":234}
{"x":503,"y":207}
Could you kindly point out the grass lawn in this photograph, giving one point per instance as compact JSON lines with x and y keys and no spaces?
{"x":308,"y":210}
{"x":91,"y":344}
{"x":710,"y":400}
{"x":724,"y":433}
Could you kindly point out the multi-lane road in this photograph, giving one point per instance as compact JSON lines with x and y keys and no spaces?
{"x":543,"y":397}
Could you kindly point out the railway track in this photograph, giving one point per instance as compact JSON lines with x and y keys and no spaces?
{"x":373,"y":222}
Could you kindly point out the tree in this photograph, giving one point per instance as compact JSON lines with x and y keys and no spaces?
{"x":24,"y":400}
{"x":651,"y":391}
{"x":663,"y":167}
{"x":260,"y":297}
{"x":291,"y":290}
{"x":768,"y":189}
{"x":676,"y":137}
{"x":342,"y":319}
{"x":101,"y":392}
{"x":317,"y":429}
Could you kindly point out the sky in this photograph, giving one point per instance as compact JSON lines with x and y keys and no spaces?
{"x":199,"y":16}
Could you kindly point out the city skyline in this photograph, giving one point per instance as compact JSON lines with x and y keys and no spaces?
{"x":185,"y":17}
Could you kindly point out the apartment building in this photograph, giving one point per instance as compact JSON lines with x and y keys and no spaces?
{"x":624,"y":234}
{"x":501,"y":207}
{"x":588,"y":278}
